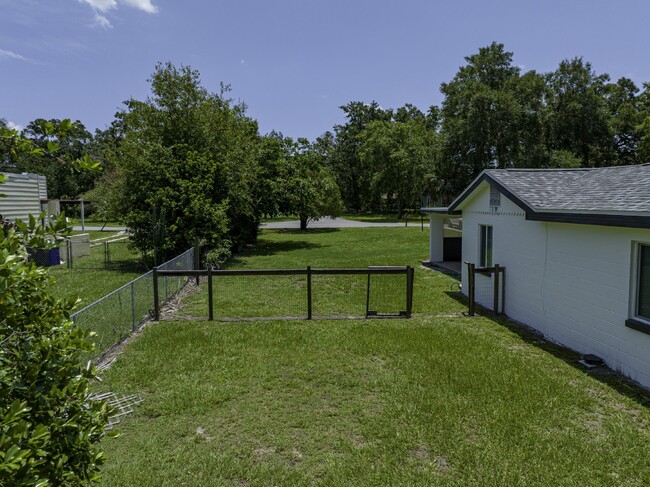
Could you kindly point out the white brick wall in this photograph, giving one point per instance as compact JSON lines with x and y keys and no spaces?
{"x":571,"y":282}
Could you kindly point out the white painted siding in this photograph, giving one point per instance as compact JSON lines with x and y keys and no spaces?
{"x":23,"y":195}
{"x":571,"y":282}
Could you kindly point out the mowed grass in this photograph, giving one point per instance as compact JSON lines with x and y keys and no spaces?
{"x":440,"y":399}
{"x":88,"y":279}
{"x":332,"y":295}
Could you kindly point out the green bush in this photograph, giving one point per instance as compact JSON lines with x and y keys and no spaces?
{"x":220,"y":254}
{"x":48,"y":426}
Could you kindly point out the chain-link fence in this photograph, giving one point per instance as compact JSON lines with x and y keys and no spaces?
{"x":118,"y":314}
{"x":116,"y":254}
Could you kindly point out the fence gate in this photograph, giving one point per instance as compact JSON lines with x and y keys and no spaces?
{"x":486,"y":286}
{"x":298,"y":293}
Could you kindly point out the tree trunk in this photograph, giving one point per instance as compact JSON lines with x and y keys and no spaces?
{"x":303,"y":223}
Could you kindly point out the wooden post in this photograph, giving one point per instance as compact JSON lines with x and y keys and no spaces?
{"x":106,"y":256}
{"x":197,"y":258}
{"x":471,"y":283}
{"x":210,"y":297}
{"x":503,"y":290}
{"x":156,"y":302}
{"x":410,"y":273}
{"x":368,"y":294}
{"x":309,"y":310}
{"x":496,"y":288}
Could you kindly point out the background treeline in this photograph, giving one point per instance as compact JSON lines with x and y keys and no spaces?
{"x":187,"y":163}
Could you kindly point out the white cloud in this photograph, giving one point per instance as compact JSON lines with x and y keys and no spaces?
{"x":6,"y":54}
{"x":14,"y":126}
{"x":102,"y":21}
{"x":144,"y":5}
{"x":101,"y":5}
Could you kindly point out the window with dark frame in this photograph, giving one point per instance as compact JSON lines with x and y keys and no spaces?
{"x":642,"y":302}
{"x":485,"y":255}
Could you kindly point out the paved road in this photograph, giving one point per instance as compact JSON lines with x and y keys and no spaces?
{"x":94,"y":228}
{"x":329,"y":222}
{"x":326,"y":222}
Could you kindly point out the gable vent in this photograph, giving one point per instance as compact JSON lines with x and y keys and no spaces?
{"x":495,"y":197}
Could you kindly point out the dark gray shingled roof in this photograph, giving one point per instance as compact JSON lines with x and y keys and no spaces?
{"x":603,"y":190}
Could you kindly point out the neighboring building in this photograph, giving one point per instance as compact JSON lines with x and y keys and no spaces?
{"x":24,"y":195}
{"x":576,"y":247}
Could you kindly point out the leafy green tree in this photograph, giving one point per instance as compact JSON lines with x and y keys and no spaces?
{"x":402,"y":155}
{"x":578,"y":118}
{"x":310,"y":190}
{"x":491,"y":118}
{"x":352,"y":175}
{"x":49,"y":429}
{"x":296,"y":180}
{"x":187,"y":166}
{"x":57,"y":140}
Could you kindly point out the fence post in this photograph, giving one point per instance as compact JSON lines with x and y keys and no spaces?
{"x":197,"y":259}
{"x":496,"y":288}
{"x":503,"y":290}
{"x":309,"y":292}
{"x":368,"y":294}
{"x":410,"y":273}
{"x":156,"y":302}
{"x":68,"y":252}
{"x":210,"y":298}
{"x":132,"y":306}
{"x":470,"y":284}
{"x":106,"y":256}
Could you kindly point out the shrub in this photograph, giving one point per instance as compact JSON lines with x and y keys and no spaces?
{"x":48,"y":426}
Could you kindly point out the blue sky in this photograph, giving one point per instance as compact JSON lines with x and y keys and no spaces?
{"x":294,"y":62}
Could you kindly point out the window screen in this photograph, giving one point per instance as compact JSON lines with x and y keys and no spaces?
{"x":485,"y":259}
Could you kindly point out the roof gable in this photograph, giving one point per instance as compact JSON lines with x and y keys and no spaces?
{"x":618,"y":196}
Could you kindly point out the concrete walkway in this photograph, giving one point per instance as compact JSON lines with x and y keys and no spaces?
{"x":329,"y":222}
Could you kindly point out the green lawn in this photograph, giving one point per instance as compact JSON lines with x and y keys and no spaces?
{"x":440,"y":399}
{"x":95,"y":222}
{"x":89,"y":280}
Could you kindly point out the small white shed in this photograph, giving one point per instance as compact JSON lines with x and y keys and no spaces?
{"x":24,"y":194}
{"x":576,"y":247}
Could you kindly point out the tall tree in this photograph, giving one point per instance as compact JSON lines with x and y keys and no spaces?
{"x":402,"y":156}
{"x":352,"y":175}
{"x":481,"y":117}
{"x":578,"y":119}
{"x":188,"y":165}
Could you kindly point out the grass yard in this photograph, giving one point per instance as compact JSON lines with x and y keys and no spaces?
{"x":88,"y":279}
{"x":440,"y":399}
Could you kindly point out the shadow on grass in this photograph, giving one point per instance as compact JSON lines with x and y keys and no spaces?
{"x":533,"y":337}
{"x":297,"y":231}
{"x":265,"y":247}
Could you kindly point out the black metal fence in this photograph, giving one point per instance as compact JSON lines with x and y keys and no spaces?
{"x":298,"y":293}
{"x":486,"y":287}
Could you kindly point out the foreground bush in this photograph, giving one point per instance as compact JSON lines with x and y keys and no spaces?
{"x":48,"y":427}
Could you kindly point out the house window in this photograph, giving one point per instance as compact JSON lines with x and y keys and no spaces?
{"x":642,"y":298}
{"x":485,"y":251}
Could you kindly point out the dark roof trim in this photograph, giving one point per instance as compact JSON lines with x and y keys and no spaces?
{"x":441,"y":211}
{"x":628,"y":221}
{"x":502,"y":189}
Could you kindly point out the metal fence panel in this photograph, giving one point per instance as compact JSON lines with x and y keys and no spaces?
{"x":115,"y":316}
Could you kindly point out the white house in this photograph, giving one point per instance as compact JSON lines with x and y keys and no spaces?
{"x":576,"y":247}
